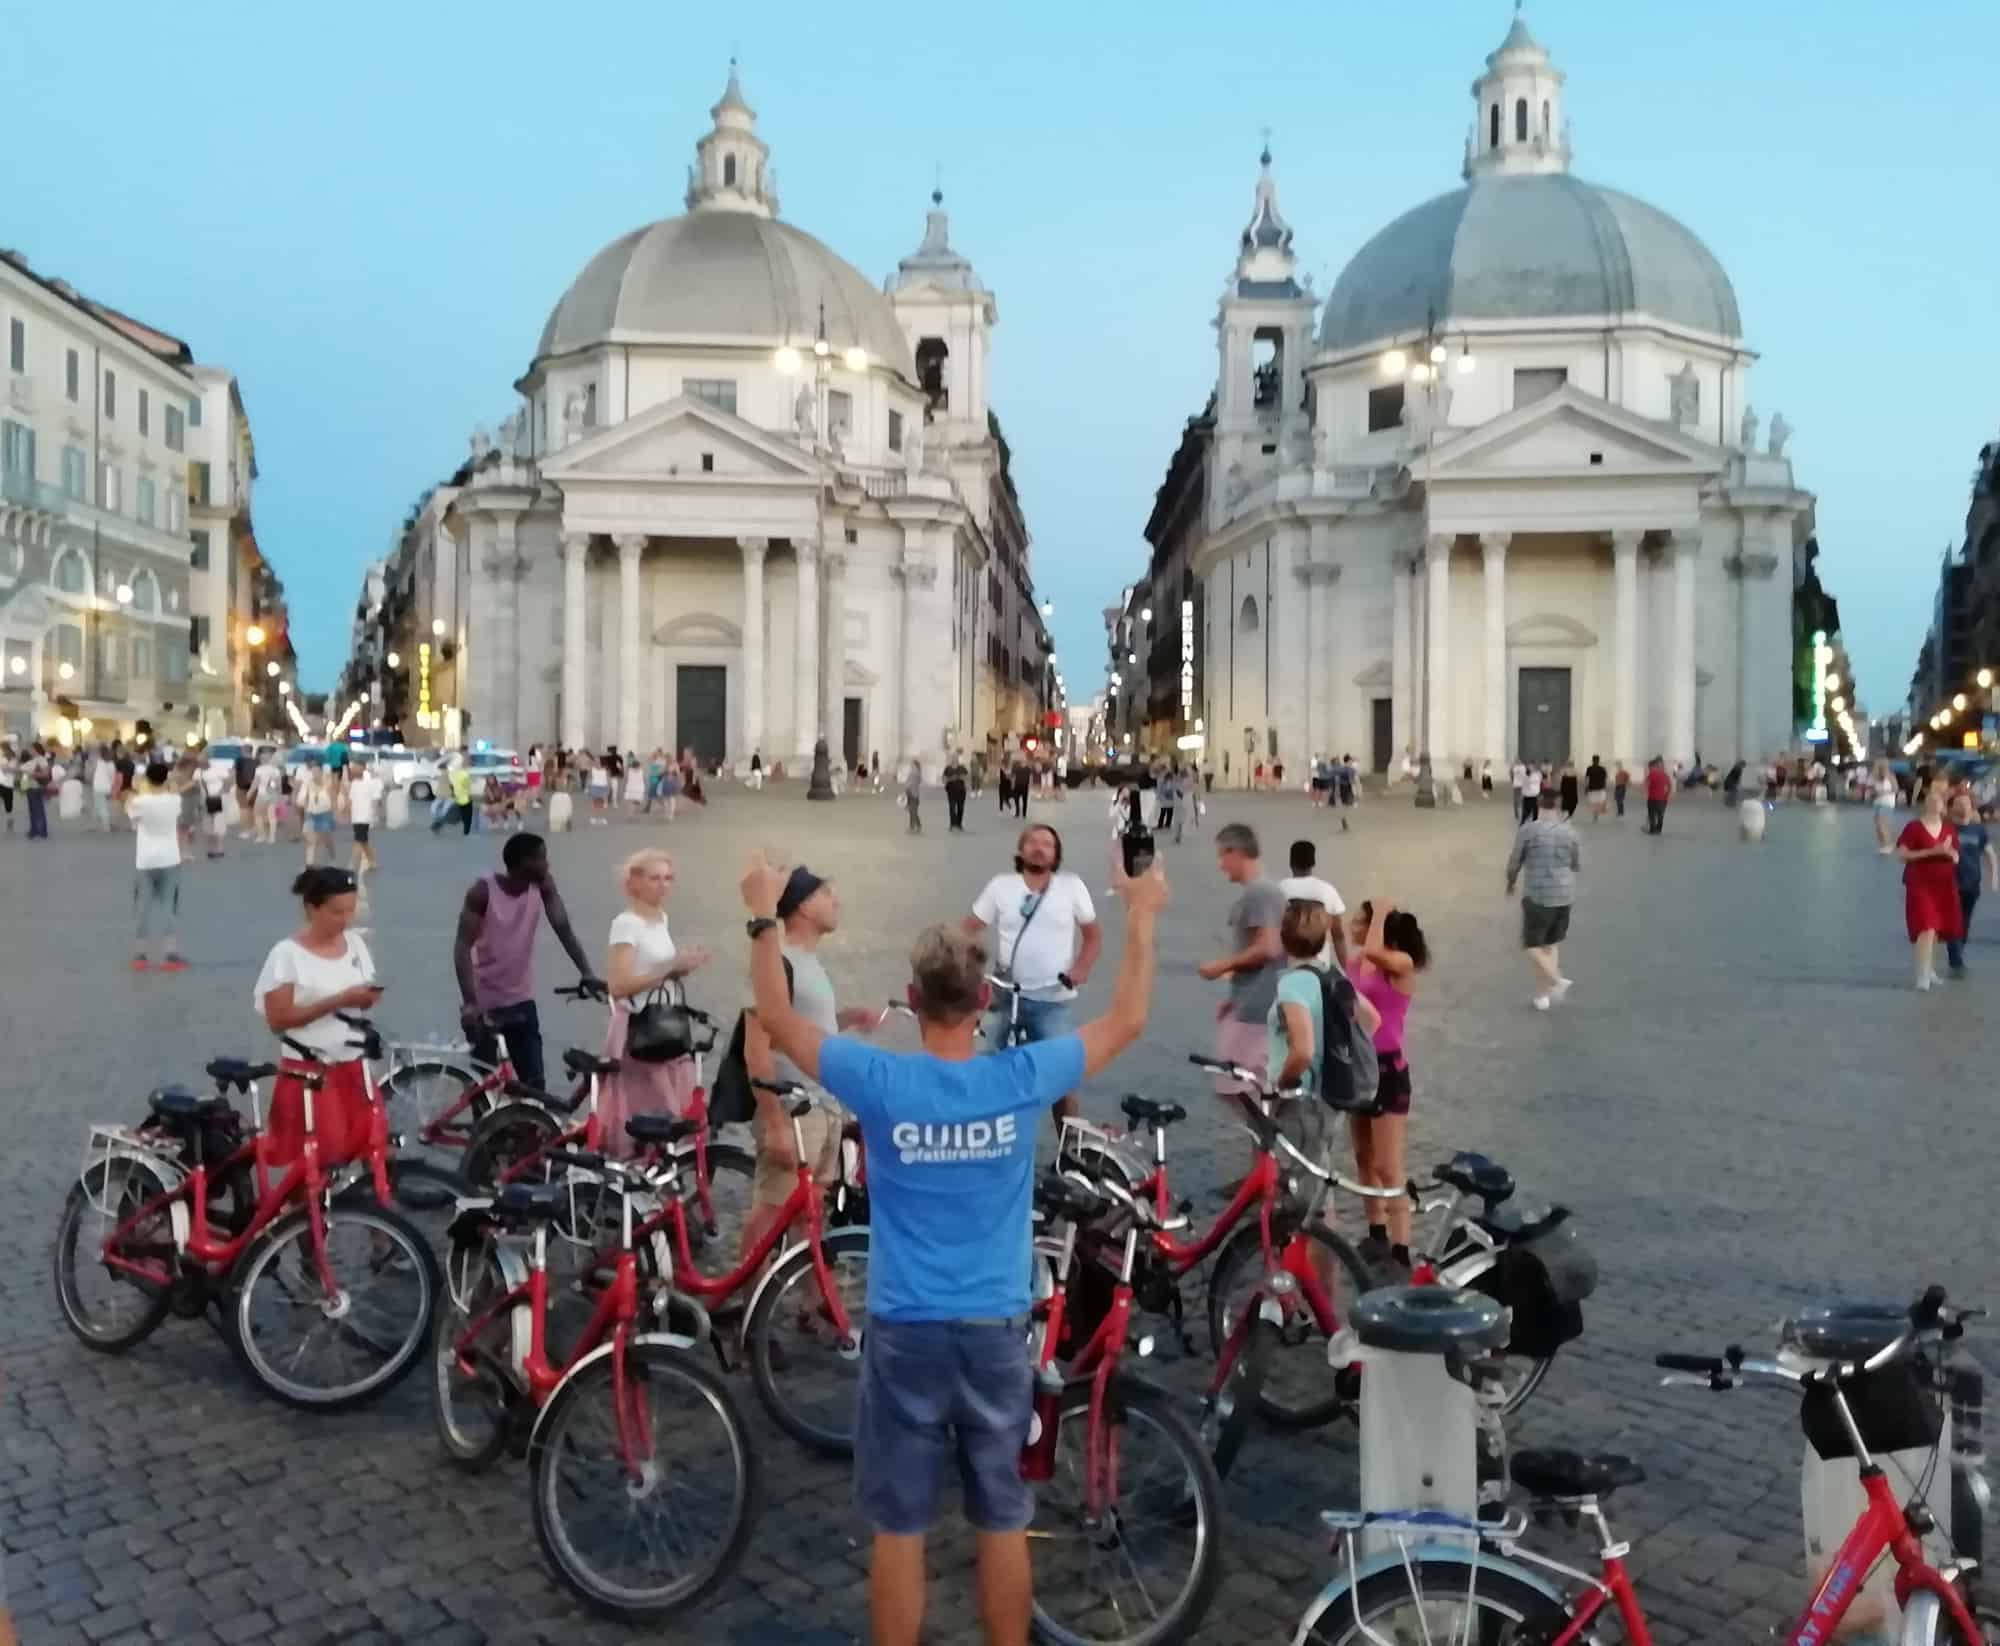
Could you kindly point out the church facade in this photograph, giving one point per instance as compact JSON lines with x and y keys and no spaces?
{"x":1502,"y":494}
{"x":749,"y":500}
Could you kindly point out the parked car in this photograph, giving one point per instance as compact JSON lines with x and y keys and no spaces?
{"x":504,"y":764}
{"x":224,"y":754}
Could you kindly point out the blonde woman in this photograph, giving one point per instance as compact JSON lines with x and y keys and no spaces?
{"x":643,"y":958}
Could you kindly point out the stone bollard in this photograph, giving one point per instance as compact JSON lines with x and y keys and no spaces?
{"x":69,"y":800}
{"x":396,"y":809}
{"x":1750,"y":818}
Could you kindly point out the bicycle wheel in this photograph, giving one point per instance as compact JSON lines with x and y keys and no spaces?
{"x":1520,"y":1377}
{"x":1300,"y":1390}
{"x":1226,"y":1421}
{"x":1427,"y":1599}
{"x":731,"y":1172}
{"x":510,"y":1133}
{"x":639,"y":1547}
{"x":324,"y":1352}
{"x":415,"y":1094}
{"x":109,"y":1310}
{"x":805,"y":1376}
{"x":472,"y":1389}
{"x":1143,"y":1572}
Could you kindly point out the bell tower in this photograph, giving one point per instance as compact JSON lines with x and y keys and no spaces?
{"x":732,"y":164}
{"x":1518,"y":127}
{"x":948,"y":315}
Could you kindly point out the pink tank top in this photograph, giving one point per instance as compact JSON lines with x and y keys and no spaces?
{"x":503,"y":960}
{"x":1380,"y":991}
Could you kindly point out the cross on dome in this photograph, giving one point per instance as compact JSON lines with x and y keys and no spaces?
{"x":731,"y":170}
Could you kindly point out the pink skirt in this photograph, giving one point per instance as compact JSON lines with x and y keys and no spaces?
{"x":639,"y":1088}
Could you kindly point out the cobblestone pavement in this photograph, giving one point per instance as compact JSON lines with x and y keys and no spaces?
{"x":1744,"y":1102}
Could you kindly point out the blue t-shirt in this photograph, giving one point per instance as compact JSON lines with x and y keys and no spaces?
{"x":1972,"y":843}
{"x":951,"y":1171}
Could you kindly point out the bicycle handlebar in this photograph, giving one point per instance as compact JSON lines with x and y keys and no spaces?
{"x":1929,"y":1314}
{"x":583,"y":989}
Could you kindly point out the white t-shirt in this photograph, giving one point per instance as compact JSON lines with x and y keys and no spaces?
{"x":652,"y":946}
{"x":269,"y":778}
{"x":215,"y":781}
{"x":1041,"y":948}
{"x":364,"y":797}
{"x":1519,"y":774}
{"x":1531,"y":783}
{"x":156,"y":822}
{"x":101,"y":776}
{"x":315,"y":978}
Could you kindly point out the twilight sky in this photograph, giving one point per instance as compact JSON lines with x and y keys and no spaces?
{"x":367,"y":214}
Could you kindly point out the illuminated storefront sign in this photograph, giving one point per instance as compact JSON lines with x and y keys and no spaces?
{"x":1822,"y":657}
{"x":1187,"y":660}
{"x":424,"y":683}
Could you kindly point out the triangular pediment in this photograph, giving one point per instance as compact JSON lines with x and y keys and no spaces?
{"x":1572,"y":432}
{"x":670,"y":441}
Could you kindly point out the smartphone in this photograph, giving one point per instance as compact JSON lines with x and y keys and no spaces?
{"x":1137,"y":845}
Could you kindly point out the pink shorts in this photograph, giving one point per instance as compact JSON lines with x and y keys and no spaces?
{"x":1245,"y":1045}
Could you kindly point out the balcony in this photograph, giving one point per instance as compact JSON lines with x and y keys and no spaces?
{"x":124,"y":528}
{"x":28,"y":492}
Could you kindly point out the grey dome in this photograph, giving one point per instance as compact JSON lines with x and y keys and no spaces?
{"x":1534,"y":247}
{"x":729,"y":276}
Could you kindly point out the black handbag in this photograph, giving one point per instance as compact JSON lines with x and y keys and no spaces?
{"x":731,"y":1099}
{"x":660,"y":1030}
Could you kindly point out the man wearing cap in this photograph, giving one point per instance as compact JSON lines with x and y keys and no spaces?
{"x":808,"y":910}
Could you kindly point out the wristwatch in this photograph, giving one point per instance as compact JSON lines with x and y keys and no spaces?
{"x":758,"y":927}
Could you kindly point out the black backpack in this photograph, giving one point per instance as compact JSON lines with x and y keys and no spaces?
{"x":731,"y":1098}
{"x":1349,"y":1073}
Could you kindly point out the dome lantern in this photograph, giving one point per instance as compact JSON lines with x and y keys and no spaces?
{"x":1518,"y":128}
{"x":732,"y":170}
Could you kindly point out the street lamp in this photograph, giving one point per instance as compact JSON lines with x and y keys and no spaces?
{"x":124,"y":594}
{"x":254,"y":634}
{"x":394,"y":660}
{"x":437,"y":626}
{"x":1985,"y":679}
{"x":65,"y":671}
{"x":284,"y":688}
{"x":17,"y":665}
{"x":271,"y":668}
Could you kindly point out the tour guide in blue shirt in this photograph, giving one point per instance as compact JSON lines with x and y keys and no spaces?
{"x":951,"y":1162}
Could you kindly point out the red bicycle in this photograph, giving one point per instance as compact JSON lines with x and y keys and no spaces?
{"x":1486,"y":1586}
{"x":643,"y":1479}
{"x":1127,"y":1534}
{"x":324,"y":1298}
{"x":1283,"y":1278}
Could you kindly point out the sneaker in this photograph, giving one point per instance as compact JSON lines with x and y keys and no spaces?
{"x":1924,"y":983}
{"x":1561,"y":990}
{"x":1958,"y":972}
{"x":139,"y":963}
{"x":174,"y":963}
{"x":1541,"y":1002}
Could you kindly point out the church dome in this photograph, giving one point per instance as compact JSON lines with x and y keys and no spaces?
{"x":1528,"y":247}
{"x":728,"y":271}
{"x":724,"y":277}
{"x":1523,"y":239}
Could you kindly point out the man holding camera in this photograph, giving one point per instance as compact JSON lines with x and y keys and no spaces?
{"x":1045,"y":941}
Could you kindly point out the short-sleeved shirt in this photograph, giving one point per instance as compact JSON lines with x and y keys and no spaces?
{"x":1309,"y":888}
{"x":652,"y":943}
{"x":364,"y":797}
{"x":1973,"y":840}
{"x":1035,"y":933}
{"x":951,"y":1171}
{"x":1297,"y":986}
{"x":315,"y":978}
{"x":156,"y":821}
{"x":269,"y":780}
{"x":814,"y":1000}
{"x":461,"y":786}
{"x":1251,"y":993}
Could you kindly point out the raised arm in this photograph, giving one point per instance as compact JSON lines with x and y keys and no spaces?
{"x":1376,"y":951}
{"x":1105,"y":1037}
{"x":795,"y":1036}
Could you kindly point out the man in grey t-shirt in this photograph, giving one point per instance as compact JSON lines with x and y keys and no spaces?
{"x":1255,"y":959}
{"x":809,"y":911}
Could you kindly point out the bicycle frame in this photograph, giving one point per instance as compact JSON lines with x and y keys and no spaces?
{"x":616,"y":1312}
{"x":1097,"y":1362}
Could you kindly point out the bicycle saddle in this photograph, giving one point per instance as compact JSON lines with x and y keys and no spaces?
{"x":235,"y":1071}
{"x":1064,"y":1197}
{"x":581,"y":1063}
{"x":1143,"y":1111}
{"x":1558,"y":1474}
{"x":530,"y":1202}
{"x":1475,"y":1174}
{"x":178,"y":1103}
{"x":659,"y":1128}
{"x":1513,"y":1225}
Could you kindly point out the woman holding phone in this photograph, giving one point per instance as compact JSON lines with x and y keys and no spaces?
{"x":321,"y":970}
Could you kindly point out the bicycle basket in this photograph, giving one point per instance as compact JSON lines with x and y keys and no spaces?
{"x":1543,"y":1279}
{"x":1892,"y":1408}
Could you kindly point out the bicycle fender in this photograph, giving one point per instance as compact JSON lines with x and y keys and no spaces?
{"x":1336,"y":1593}
{"x":779,"y":1258}
{"x":670,"y":1340}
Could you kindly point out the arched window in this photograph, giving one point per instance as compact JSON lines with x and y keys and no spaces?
{"x":1246,"y":621}
{"x":1520,"y":119}
{"x":932,"y":358}
{"x":145,"y":592}
{"x":729,"y":171}
{"x":1493,"y":127}
{"x":69,"y":575}
{"x":1546,"y":133}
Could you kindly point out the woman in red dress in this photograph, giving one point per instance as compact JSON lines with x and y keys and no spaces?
{"x":1928,"y":847}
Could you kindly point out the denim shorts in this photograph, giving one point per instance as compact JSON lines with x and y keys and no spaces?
{"x":1040,"y":1020}
{"x":938,"y":1391}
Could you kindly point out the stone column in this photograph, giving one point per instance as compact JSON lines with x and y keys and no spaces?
{"x":833,"y":652}
{"x":805,"y":667}
{"x":1312,"y":641}
{"x":504,"y":645}
{"x":575,"y":721}
{"x":1437,"y":660}
{"x":631,"y":546}
{"x":1682,"y":547}
{"x":1625,"y":647}
{"x":1755,"y":574}
{"x":918,"y":573}
{"x":1402,"y":716}
{"x":1493,"y":569}
{"x":754,"y":549}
